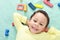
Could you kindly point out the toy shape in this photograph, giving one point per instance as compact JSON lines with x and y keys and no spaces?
{"x":32,"y":6}
{"x":48,"y":3}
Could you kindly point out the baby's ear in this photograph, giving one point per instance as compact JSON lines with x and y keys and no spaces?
{"x":46,"y":29}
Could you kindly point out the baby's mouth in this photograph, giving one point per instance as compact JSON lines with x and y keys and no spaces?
{"x":34,"y":28}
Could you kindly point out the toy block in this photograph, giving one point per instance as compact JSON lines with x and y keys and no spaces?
{"x":25,"y":7}
{"x":48,"y":3}
{"x":6,"y":32}
{"x":58,"y":4}
{"x":32,"y":6}
{"x":20,"y":7}
{"x":38,"y":6}
{"x":13,"y":24}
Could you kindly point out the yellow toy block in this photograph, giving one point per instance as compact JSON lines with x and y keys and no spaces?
{"x":25,"y":7}
{"x":38,"y":6}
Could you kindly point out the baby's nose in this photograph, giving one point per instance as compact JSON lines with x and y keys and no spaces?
{"x":36,"y":24}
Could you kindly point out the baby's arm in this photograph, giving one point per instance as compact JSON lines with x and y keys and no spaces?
{"x":18,"y":20}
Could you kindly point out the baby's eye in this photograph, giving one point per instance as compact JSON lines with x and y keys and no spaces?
{"x":41,"y":24}
{"x":35,"y":21}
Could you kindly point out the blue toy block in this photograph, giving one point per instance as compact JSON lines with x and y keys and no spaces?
{"x":32,"y":6}
{"x":58,"y":4}
{"x":6,"y":32}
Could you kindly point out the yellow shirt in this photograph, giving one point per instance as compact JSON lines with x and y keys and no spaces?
{"x":23,"y":32}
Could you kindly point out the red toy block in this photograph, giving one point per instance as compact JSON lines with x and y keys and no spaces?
{"x":48,"y":3}
{"x":20,"y":7}
{"x":13,"y":24}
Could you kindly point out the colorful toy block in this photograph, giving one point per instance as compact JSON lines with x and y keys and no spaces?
{"x":20,"y":7}
{"x":25,"y":7}
{"x":13,"y":24}
{"x":58,"y":4}
{"x":38,"y":6}
{"x":32,"y":6}
{"x":6,"y":32}
{"x":48,"y":3}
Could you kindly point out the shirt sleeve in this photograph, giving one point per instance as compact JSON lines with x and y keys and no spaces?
{"x":53,"y":30}
{"x":18,"y":20}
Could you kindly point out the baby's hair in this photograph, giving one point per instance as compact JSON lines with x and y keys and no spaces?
{"x":43,"y":12}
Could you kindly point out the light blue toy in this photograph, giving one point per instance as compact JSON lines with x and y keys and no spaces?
{"x":7,"y":32}
{"x":58,"y":4}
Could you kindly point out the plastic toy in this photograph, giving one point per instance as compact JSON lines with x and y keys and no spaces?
{"x":48,"y":3}
{"x":6,"y":32}
{"x":13,"y":24}
{"x":58,"y":4}
{"x":25,"y":7}
{"x":20,"y":7}
{"x":38,"y":6}
{"x":32,"y":6}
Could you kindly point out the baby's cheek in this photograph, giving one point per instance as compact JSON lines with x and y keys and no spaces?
{"x":41,"y":29}
{"x":31,"y":23}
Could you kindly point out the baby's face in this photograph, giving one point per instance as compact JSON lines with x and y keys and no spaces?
{"x":37,"y":23}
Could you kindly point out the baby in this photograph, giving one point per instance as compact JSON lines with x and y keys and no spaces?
{"x":38,"y":22}
{"x":36,"y":28}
